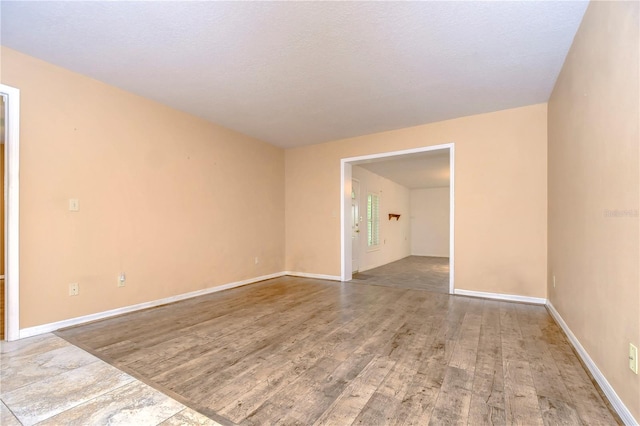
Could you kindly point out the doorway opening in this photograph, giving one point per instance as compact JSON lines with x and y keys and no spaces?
{"x":385,"y":203}
{"x":11,"y":133}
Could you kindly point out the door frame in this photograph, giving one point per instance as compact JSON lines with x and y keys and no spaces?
{"x":11,"y":97}
{"x":358,"y":219}
{"x":346,"y":273}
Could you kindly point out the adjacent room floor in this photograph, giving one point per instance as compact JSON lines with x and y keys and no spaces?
{"x":303,"y":351}
{"x":417,"y":272}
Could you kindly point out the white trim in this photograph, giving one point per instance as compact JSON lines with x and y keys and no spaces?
{"x":346,"y":178}
{"x":452,"y":209}
{"x":308,"y":275}
{"x":12,"y":217}
{"x":608,"y":390}
{"x":395,"y":153}
{"x":359,"y":203}
{"x":500,"y":296}
{"x":53,"y":326}
{"x":47,"y":328}
{"x":346,"y":274}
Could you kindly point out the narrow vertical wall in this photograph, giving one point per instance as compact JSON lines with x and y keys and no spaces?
{"x":430,"y":222}
{"x":593,"y":121}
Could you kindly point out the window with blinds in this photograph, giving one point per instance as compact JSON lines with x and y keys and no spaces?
{"x":373,"y":220}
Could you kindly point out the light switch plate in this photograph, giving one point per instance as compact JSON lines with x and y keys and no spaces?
{"x":74,"y":289}
{"x":74,"y":205}
{"x":633,"y":358}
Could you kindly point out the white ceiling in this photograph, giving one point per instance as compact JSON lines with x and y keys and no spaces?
{"x":297,"y":73}
{"x":419,"y":170}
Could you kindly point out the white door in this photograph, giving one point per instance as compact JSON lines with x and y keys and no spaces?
{"x":355,"y":225}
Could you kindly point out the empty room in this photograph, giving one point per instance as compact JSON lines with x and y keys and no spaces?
{"x":320,"y":213}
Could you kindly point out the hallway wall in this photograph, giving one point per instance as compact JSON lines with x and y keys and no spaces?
{"x":394,"y":234}
{"x":430,"y":222}
{"x":594,"y":191}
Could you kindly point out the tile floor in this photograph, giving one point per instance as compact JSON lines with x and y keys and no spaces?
{"x":45,"y":380}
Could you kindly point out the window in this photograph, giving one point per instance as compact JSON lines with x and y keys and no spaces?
{"x":373,"y":220}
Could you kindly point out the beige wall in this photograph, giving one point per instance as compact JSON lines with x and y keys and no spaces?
{"x":430,"y":222}
{"x":593,"y":169}
{"x":395,"y":236}
{"x":500,"y":200}
{"x":175,"y":202}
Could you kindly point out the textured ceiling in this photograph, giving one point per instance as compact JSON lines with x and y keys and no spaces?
{"x":297,"y":73}
{"x":419,"y":170}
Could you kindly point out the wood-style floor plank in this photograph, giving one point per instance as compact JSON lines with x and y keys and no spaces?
{"x":246,"y":392}
{"x":487,"y":400}
{"x":348,"y":405}
{"x":304,"y":351}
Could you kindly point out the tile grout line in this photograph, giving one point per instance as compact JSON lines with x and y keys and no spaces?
{"x":84,"y":402}
{"x":48,"y":377}
{"x":11,"y":411}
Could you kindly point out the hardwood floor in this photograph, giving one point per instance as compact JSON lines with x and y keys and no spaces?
{"x":417,"y":272}
{"x":303,"y":351}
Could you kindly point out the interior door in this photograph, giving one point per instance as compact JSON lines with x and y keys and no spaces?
{"x":355,"y":225}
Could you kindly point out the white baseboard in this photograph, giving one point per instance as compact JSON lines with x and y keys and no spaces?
{"x":317,"y":276}
{"x":611,"y":394}
{"x":386,"y":262}
{"x":500,"y":296}
{"x":53,"y":326}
